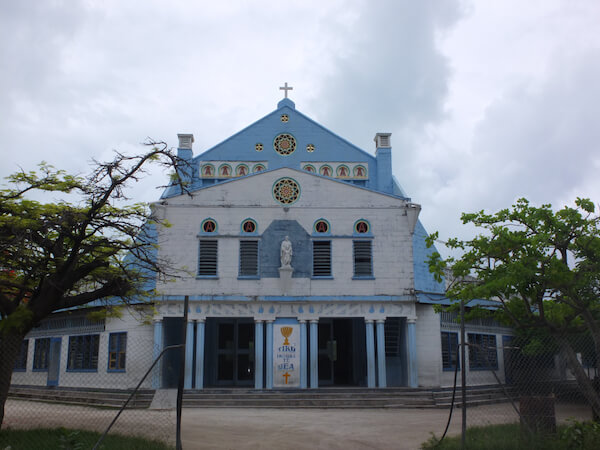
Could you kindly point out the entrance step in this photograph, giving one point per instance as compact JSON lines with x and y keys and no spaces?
{"x":112,"y":398}
{"x":335,"y":397}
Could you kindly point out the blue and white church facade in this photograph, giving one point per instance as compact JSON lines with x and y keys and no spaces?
{"x":304,"y":263}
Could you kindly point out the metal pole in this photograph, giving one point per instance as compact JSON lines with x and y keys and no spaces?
{"x":463,"y":375}
{"x":181,"y":373}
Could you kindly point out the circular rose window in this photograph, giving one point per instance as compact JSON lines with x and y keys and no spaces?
{"x":286,"y":191}
{"x":284,"y":144}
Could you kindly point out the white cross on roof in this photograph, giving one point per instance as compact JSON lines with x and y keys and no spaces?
{"x":285,"y":88}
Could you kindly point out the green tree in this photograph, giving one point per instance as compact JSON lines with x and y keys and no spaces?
{"x":88,"y":245}
{"x":541,"y":266}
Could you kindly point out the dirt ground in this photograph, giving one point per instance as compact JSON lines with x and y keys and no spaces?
{"x":256,"y":428}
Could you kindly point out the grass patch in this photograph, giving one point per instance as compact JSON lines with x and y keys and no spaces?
{"x":578,"y":435}
{"x":64,"y":439}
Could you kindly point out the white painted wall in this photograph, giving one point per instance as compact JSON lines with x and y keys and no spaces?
{"x":340,"y":203}
{"x":140,"y":344}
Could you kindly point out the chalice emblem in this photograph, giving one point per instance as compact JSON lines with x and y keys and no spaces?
{"x":286,"y":332}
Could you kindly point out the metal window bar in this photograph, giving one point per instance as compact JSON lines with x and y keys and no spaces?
{"x":249,"y":258}
{"x":322,"y":258}
{"x":363,"y":259}
{"x":207,"y":257}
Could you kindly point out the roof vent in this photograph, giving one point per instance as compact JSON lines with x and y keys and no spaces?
{"x":382,"y":140}
{"x":186,"y":140}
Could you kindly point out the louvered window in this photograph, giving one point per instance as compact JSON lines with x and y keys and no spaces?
{"x":321,"y":258}
{"x":248,"y":258}
{"x":207,"y":257}
{"x":83,"y":352}
{"x":449,"y":350}
{"x":40,"y":354}
{"x":363,"y":259}
{"x":482,"y":351}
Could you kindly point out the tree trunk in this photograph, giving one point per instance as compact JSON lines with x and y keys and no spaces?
{"x":10,"y":345}
{"x":585,"y":384}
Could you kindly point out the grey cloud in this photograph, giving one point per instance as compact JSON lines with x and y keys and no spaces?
{"x":392,"y":76}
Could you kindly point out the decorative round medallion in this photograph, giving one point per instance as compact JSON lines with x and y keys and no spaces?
{"x":284,"y":144}
{"x":286,"y":191}
{"x":285,"y":118}
{"x":258,"y":147}
{"x":310,"y":148}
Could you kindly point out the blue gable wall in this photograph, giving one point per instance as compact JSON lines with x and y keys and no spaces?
{"x":424,"y":280}
{"x":328,"y":147}
{"x":270,"y":244}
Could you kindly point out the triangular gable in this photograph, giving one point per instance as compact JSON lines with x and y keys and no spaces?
{"x":328,"y":146}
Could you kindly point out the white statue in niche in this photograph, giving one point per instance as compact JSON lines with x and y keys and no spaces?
{"x":286,"y":252}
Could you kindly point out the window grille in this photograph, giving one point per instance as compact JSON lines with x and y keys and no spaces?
{"x":40,"y":354}
{"x":207,"y":257}
{"x":249,"y":258}
{"x":450,"y":358}
{"x":83,"y":352}
{"x":482,"y":351}
{"x":117,"y":351}
{"x":321,"y":258}
{"x":363,"y":259}
{"x":21,"y":362}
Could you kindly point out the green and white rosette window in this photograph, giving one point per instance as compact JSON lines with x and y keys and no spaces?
{"x":284,"y":144}
{"x":286,"y":191}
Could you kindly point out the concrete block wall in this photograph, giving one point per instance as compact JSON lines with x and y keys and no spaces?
{"x":339,"y":203}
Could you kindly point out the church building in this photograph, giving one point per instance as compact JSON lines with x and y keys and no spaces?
{"x":304,"y":263}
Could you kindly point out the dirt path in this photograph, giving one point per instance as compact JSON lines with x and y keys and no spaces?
{"x":274,"y":429}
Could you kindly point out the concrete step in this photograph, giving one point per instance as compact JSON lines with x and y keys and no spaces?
{"x":343,"y":397}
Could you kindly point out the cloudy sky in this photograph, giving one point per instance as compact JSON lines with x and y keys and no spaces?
{"x":487,"y":101}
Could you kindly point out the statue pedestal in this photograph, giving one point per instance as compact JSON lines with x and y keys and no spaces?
{"x":285,"y":278}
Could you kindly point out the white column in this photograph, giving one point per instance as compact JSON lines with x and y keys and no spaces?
{"x":269,"y":358}
{"x":199,"y":382}
{"x":303,"y":354}
{"x":411,"y":338}
{"x":189,"y":355}
{"x":370,"y":353}
{"x":258,"y":354}
{"x":314,"y":353}
{"x":158,"y":344}
{"x":381,"y":375}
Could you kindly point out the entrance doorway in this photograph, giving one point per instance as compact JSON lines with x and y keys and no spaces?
{"x":342,"y":352}
{"x":231,"y":361}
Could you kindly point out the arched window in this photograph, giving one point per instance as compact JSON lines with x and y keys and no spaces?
{"x":241,"y":170}
{"x":225,"y":170}
{"x":249,"y":226}
{"x":208,"y":170}
{"x":321,"y":226}
{"x":326,"y":171}
{"x":209,"y":226}
{"x":361,"y":227}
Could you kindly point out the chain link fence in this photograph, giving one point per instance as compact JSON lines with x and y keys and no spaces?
{"x":525,"y":380}
{"x":76,"y":373}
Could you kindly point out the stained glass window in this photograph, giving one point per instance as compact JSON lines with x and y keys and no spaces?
{"x":241,"y":170}
{"x":286,"y":191}
{"x":361,"y":226}
{"x":360,"y":172}
{"x":325,"y":171}
{"x":209,"y":226}
{"x":321,"y":226}
{"x":342,"y":171}
{"x":249,"y":226}
{"x":284,"y":144}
